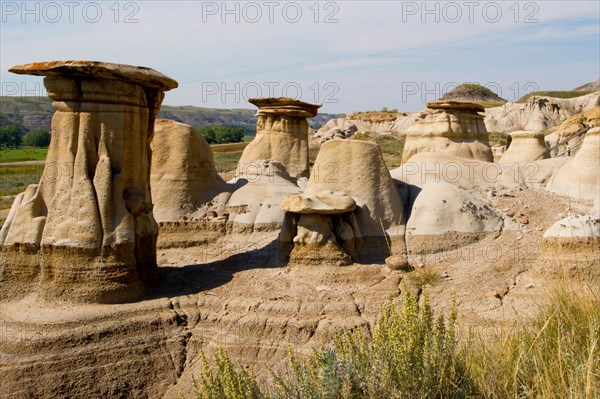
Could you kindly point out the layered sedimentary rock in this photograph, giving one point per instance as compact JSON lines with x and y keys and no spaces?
{"x":579,"y":177}
{"x":571,"y":126}
{"x":281,"y":134}
{"x":451,"y":128}
{"x":538,"y":113}
{"x":525,"y":146}
{"x":318,"y":229}
{"x":575,"y":238}
{"x":184,"y":181}
{"x":86,"y":232}
{"x":356,"y":169}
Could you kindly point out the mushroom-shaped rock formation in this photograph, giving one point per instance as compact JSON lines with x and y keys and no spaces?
{"x":86,"y":233}
{"x":525,"y":146}
{"x":449,"y":127}
{"x":579,"y":177}
{"x":254,"y":205}
{"x":184,"y":181}
{"x":357,"y":169}
{"x":318,"y":229}
{"x":281,"y":134}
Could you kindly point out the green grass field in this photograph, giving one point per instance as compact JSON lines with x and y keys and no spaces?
{"x":23,"y":154}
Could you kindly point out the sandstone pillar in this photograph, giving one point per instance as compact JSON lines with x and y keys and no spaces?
{"x":86,"y":233}
{"x":281,"y":135}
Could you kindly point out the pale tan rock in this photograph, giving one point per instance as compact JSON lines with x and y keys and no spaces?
{"x":450,"y":128}
{"x":184,"y":181}
{"x":538,"y":113}
{"x":445,"y":216}
{"x":324,"y":204}
{"x":525,"y":146}
{"x":575,"y":226}
{"x":88,"y":228}
{"x":579,"y":176}
{"x":397,"y":262}
{"x":356,"y":168}
{"x":281,"y":134}
{"x":259,"y":190}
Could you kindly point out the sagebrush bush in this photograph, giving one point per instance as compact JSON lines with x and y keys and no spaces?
{"x":412,"y":354}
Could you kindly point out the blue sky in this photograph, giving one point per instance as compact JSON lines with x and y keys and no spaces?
{"x":350,"y":55}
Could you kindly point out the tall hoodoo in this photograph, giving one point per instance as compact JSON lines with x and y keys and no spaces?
{"x":86,"y":233}
{"x":281,"y":134}
{"x":450,"y":128}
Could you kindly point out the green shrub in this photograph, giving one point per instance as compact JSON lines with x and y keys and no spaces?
{"x":221,"y":134}
{"x":411,"y":355}
{"x":37,"y":138}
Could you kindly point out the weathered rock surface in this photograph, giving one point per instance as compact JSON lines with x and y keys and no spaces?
{"x":281,"y":134}
{"x":537,"y":113}
{"x":567,"y":129}
{"x":525,"y":146}
{"x":579,"y":177}
{"x":445,"y":216}
{"x":184,"y":181}
{"x":86,"y":233}
{"x":259,"y":190}
{"x":323,"y":204}
{"x":449,"y":127}
{"x":356,"y":168}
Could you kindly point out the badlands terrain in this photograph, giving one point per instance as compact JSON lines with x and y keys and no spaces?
{"x":132,"y":256}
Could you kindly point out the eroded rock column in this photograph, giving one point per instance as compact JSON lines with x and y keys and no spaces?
{"x":281,"y":135}
{"x":86,"y":233}
{"x":449,"y":128}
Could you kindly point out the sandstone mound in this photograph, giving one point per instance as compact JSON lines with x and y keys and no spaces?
{"x":575,"y":237}
{"x":525,"y":146}
{"x":474,"y":93}
{"x":185,"y":184}
{"x":444,"y":216}
{"x":356,"y":169}
{"x":451,"y":128}
{"x":86,"y":232}
{"x":254,"y":205}
{"x":579,"y":177}
{"x":537,"y":113}
{"x":281,"y":134}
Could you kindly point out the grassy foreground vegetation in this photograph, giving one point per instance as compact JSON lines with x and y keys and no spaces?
{"x":413,"y":354}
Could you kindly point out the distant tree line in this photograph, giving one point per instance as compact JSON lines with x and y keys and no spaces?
{"x":11,"y":136}
{"x":222,"y":134}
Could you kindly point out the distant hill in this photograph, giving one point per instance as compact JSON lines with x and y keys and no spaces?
{"x":592,"y":86}
{"x":474,"y":93}
{"x":36,"y":113}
